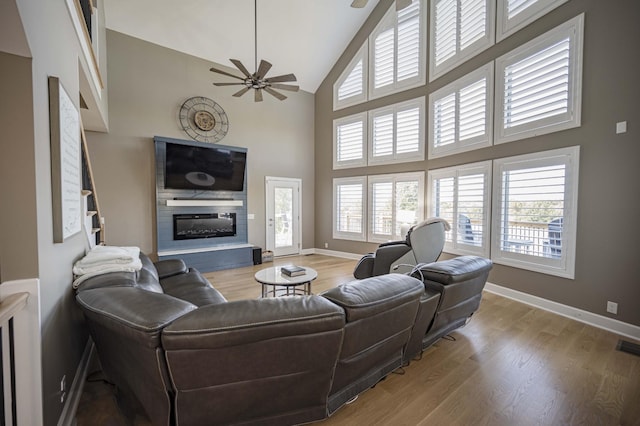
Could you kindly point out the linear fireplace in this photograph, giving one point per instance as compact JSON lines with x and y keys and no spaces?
{"x":212,"y":225}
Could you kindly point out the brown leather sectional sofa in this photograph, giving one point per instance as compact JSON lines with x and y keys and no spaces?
{"x":179,"y":353}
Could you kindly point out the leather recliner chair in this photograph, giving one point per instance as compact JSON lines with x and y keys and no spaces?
{"x":423,"y":244}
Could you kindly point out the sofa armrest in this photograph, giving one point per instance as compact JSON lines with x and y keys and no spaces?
{"x":458,"y":269}
{"x":132,"y":312}
{"x":169,"y":267}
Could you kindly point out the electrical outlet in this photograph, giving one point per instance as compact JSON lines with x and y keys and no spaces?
{"x":326,"y":245}
{"x":621,"y":127}
{"x":612,"y":308}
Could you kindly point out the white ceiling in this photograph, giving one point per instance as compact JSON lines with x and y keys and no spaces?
{"x":303,"y":37}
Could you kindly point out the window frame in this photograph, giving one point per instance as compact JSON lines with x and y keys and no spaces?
{"x":486,"y":71}
{"x":394,"y":179}
{"x":390,"y":20}
{"x":461,"y":55}
{"x":346,"y":235}
{"x":452,"y":244}
{"x":337,"y":123}
{"x":396,"y":157}
{"x":574,"y":29}
{"x":564,"y":266}
{"x":505,"y":26}
{"x":362,"y":54}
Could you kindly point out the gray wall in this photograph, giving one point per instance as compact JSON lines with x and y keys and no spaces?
{"x":608,"y":228}
{"x":147,"y":85}
{"x":50,"y":48}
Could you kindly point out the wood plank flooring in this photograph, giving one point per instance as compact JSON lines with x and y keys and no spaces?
{"x":511,"y":365}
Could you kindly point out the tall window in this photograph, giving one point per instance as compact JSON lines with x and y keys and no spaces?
{"x":396,"y":51}
{"x":534,"y":211}
{"x":349,"y":141}
{"x":349,"y":204}
{"x":461,"y":195}
{"x":538,"y":85}
{"x":394,"y":200}
{"x":351,"y":87}
{"x":515,"y":14}
{"x":459,"y":30}
{"x":461,"y":114}
{"x":396,"y":133}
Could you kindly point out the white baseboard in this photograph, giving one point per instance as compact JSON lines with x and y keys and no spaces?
{"x":68,"y":415}
{"x":334,"y":253}
{"x":605,"y":323}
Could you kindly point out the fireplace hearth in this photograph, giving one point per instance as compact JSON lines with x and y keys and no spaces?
{"x":211,"y":225}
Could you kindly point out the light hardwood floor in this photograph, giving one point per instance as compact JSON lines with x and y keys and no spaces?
{"x":511,"y":365}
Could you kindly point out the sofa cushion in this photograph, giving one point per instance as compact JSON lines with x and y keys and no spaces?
{"x":169,"y":267}
{"x":192,"y":287}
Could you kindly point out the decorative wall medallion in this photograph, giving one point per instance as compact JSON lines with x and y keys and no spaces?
{"x":203,"y":119}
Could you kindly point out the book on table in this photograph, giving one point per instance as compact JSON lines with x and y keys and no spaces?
{"x":293,"y":270}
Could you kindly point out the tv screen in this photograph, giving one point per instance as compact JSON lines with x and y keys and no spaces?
{"x":204,"y":168}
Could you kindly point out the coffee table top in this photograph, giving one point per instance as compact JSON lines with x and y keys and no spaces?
{"x":273,"y":276}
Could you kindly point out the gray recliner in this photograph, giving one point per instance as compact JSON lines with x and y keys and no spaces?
{"x":423,"y":244}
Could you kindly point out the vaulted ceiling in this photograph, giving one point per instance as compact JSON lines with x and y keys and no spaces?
{"x":303,"y":37}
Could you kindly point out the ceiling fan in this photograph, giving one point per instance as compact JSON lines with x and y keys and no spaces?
{"x":400,"y":4}
{"x":258,"y":80}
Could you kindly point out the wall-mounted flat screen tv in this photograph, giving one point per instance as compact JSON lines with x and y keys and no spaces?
{"x":204,"y":168}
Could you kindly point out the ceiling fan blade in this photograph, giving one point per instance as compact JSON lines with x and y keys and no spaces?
{"x":228,"y":84}
{"x":274,"y":93}
{"x":359,"y":3}
{"x":241,"y":67}
{"x":263,"y":69}
{"x":402,"y":4}
{"x":241,"y":92}
{"x":285,"y":87}
{"x":258,"y":95}
{"x":225,"y":73}
{"x":281,"y":78}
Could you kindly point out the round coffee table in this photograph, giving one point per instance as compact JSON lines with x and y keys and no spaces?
{"x":274,"y":278}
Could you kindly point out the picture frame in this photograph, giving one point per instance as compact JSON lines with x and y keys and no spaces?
{"x":66,"y":167}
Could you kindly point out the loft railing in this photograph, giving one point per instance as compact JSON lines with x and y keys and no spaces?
{"x":10,"y":306}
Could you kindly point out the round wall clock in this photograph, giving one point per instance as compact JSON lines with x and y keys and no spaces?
{"x":203,"y":119}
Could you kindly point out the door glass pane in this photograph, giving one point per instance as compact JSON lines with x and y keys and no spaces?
{"x":283,"y":217}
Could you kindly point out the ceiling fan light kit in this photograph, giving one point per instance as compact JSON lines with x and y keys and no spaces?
{"x":258,"y":81}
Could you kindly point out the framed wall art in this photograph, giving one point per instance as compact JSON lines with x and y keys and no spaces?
{"x":66,"y":168}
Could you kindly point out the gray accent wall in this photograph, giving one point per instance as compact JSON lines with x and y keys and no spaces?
{"x":147,"y":86}
{"x":608,"y":228}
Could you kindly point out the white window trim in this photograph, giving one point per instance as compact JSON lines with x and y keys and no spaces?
{"x":463,"y":55}
{"x":505,"y":26}
{"x":565,"y":265}
{"x":342,"y":235}
{"x":453,"y":246}
{"x":394,"y":178}
{"x":394,"y":157}
{"x":361,"y":117}
{"x":362,"y":54}
{"x":473,"y":143}
{"x":574,"y":29}
{"x":396,"y":86}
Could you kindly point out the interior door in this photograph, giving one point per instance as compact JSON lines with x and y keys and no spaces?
{"x":283,"y":215}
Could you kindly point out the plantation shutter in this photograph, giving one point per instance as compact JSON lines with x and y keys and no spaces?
{"x":408,"y":131}
{"x":473,"y":18}
{"x":409,"y":42}
{"x":446,"y":31}
{"x":514,"y":7}
{"x":444,"y":123}
{"x":471,"y":213}
{"x":350,"y":141}
{"x":382,"y":135}
{"x":443,"y":200}
{"x":537,"y":87}
{"x":384,"y":53}
{"x":381,"y":206}
{"x":350,"y":208}
{"x":353,"y":85}
{"x":473,"y":107}
{"x":531,"y":196}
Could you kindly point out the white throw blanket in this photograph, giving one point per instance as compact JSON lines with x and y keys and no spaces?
{"x":105,"y":259}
